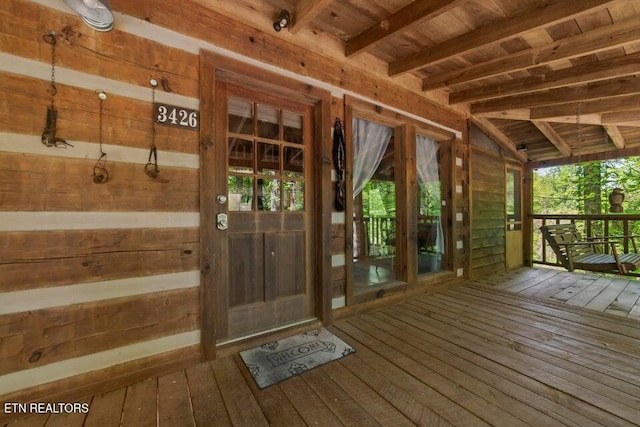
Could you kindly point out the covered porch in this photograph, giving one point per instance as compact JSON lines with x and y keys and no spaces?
{"x":533,"y":346}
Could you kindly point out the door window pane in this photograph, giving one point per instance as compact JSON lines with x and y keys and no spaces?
{"x":292,"y":127}
{"x":268,"y":195}
{"x":268,"y":122}
{"x":240,"y":196}
{"x":514,"y":214}
{"x":293,"y":196}
{"x":240,"y":155}
{"x":240,"y":116}
{"x":374,"y":219}
{"x":293,"y":162}
{"x":268,"y":159}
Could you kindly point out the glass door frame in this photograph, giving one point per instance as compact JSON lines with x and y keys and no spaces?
{"x":405,"y":130}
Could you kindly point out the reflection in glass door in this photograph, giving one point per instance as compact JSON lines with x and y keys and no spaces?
{"x":374,"y":205}
{"x":430,"y":236}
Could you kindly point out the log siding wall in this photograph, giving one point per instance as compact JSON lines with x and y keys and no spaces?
{"x":100,"y":283}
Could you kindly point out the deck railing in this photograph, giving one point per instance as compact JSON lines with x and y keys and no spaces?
{"x":588,"y":226}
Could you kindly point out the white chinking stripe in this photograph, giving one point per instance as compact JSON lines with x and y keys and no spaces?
{"x":44,"y":221}
{"x":32,"y":144}
{"x":38,"y":299}
{"x":41,"y":70}
{"x":20,"y":380}
{"x":149,"y":31}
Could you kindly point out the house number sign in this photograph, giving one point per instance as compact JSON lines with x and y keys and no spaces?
{"x":170,"y":115}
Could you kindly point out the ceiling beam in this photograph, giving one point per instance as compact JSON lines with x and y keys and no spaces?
{"x":398,"y":21}
{"x":619,"y":103}
{"x":601,"y":39}
{"x":305,"y":11}
{"x":618,"y":66}
{"x":616,"y":136}
{"x":499,"y":137}
{"x":592,"y":91}
{"x":622,"y":118}
{"x":590,"y":157}
{"x":549,"y":14}
{"x":525,"y":115}
{"x":553,"y":136}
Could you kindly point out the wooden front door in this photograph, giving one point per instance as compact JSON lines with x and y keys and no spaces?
{"x":263,"y":160}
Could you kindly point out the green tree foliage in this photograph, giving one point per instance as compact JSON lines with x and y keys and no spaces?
{"x":574,"y":189}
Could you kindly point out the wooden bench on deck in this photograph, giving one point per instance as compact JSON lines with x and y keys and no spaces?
{"x":575,"y":253}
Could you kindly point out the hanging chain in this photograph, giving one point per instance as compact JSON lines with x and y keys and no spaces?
{"x":579,"y":132}
{"x":51,"y":39}
{"x":100,"y":173}
{"x":102,"y":97}
{"x":151,"y":168}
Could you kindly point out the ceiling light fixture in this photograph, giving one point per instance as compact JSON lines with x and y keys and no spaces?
{"x":283,"y":20}
{"x":521,"y":148}
{"x":95,"y":13}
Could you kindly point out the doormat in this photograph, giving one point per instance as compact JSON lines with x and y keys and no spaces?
{"x":276,"y":361}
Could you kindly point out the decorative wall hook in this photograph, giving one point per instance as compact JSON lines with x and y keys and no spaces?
{"x":49,"y":137}
{"x":151,"y":168}
{"x":100,"y":173}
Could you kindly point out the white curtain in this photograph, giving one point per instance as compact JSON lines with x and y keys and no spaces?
{"x":427,"y":165}
{"x":370,"y":141}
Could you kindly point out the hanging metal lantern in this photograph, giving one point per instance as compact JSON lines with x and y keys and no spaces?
{"x":615,"y":200}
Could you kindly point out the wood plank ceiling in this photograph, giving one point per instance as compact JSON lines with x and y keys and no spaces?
{"x":524,"y":69}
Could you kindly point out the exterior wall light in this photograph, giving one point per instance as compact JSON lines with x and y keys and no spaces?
{"x":283,"y":20}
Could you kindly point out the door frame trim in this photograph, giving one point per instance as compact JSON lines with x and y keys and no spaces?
{"x":214,"y":67}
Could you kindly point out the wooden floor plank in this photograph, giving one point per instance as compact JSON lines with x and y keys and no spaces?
{"x":588,"y":335}
{"x":608,"y":295}
{"x":530,"y":340}
{"x":526,"y":389}
{"x":174,"y":402}
{"x":72,"y":419}
{"x":32,"y":421}
{"x":425,"y":395}
{"x":395,"y":395}
{"x":627,"y":299}
{"x":567,"y":383}
{"x":348,"y":411}
{"x":140,"y":404}
{"x":398,"y":335}
{"x":241,"y":405}
{"x":206,"y":399}
{"x":375,"y":405}
{"x":437,"y":387}
{"x":275,"y":406}
{"x":106,"y":409}
{"x":607,"y":394}
{"x":311,"y":408}
{"x":585,"y":296}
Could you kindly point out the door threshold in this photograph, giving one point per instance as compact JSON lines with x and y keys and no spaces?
{"x":234,"y":345}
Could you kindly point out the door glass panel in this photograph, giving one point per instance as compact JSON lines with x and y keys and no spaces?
{"x":240,"y":155}
{"x":240,"y":193}
{"x":293,"y":162}
{"x":240,"y":116}
{"x":274,"y":168}
{"x":268,"y":159}
{"x":514,"y":214}
{"x":293,"y":196}
{"x":374,"y":212}
{"x":268,"y":122}
{"x":430,"y":236}
{"x":268,"y":195}
{"x":292,"y":127}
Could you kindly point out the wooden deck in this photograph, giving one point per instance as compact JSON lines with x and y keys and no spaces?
{"x":618,"y":295}
{"x":473,"y":355}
